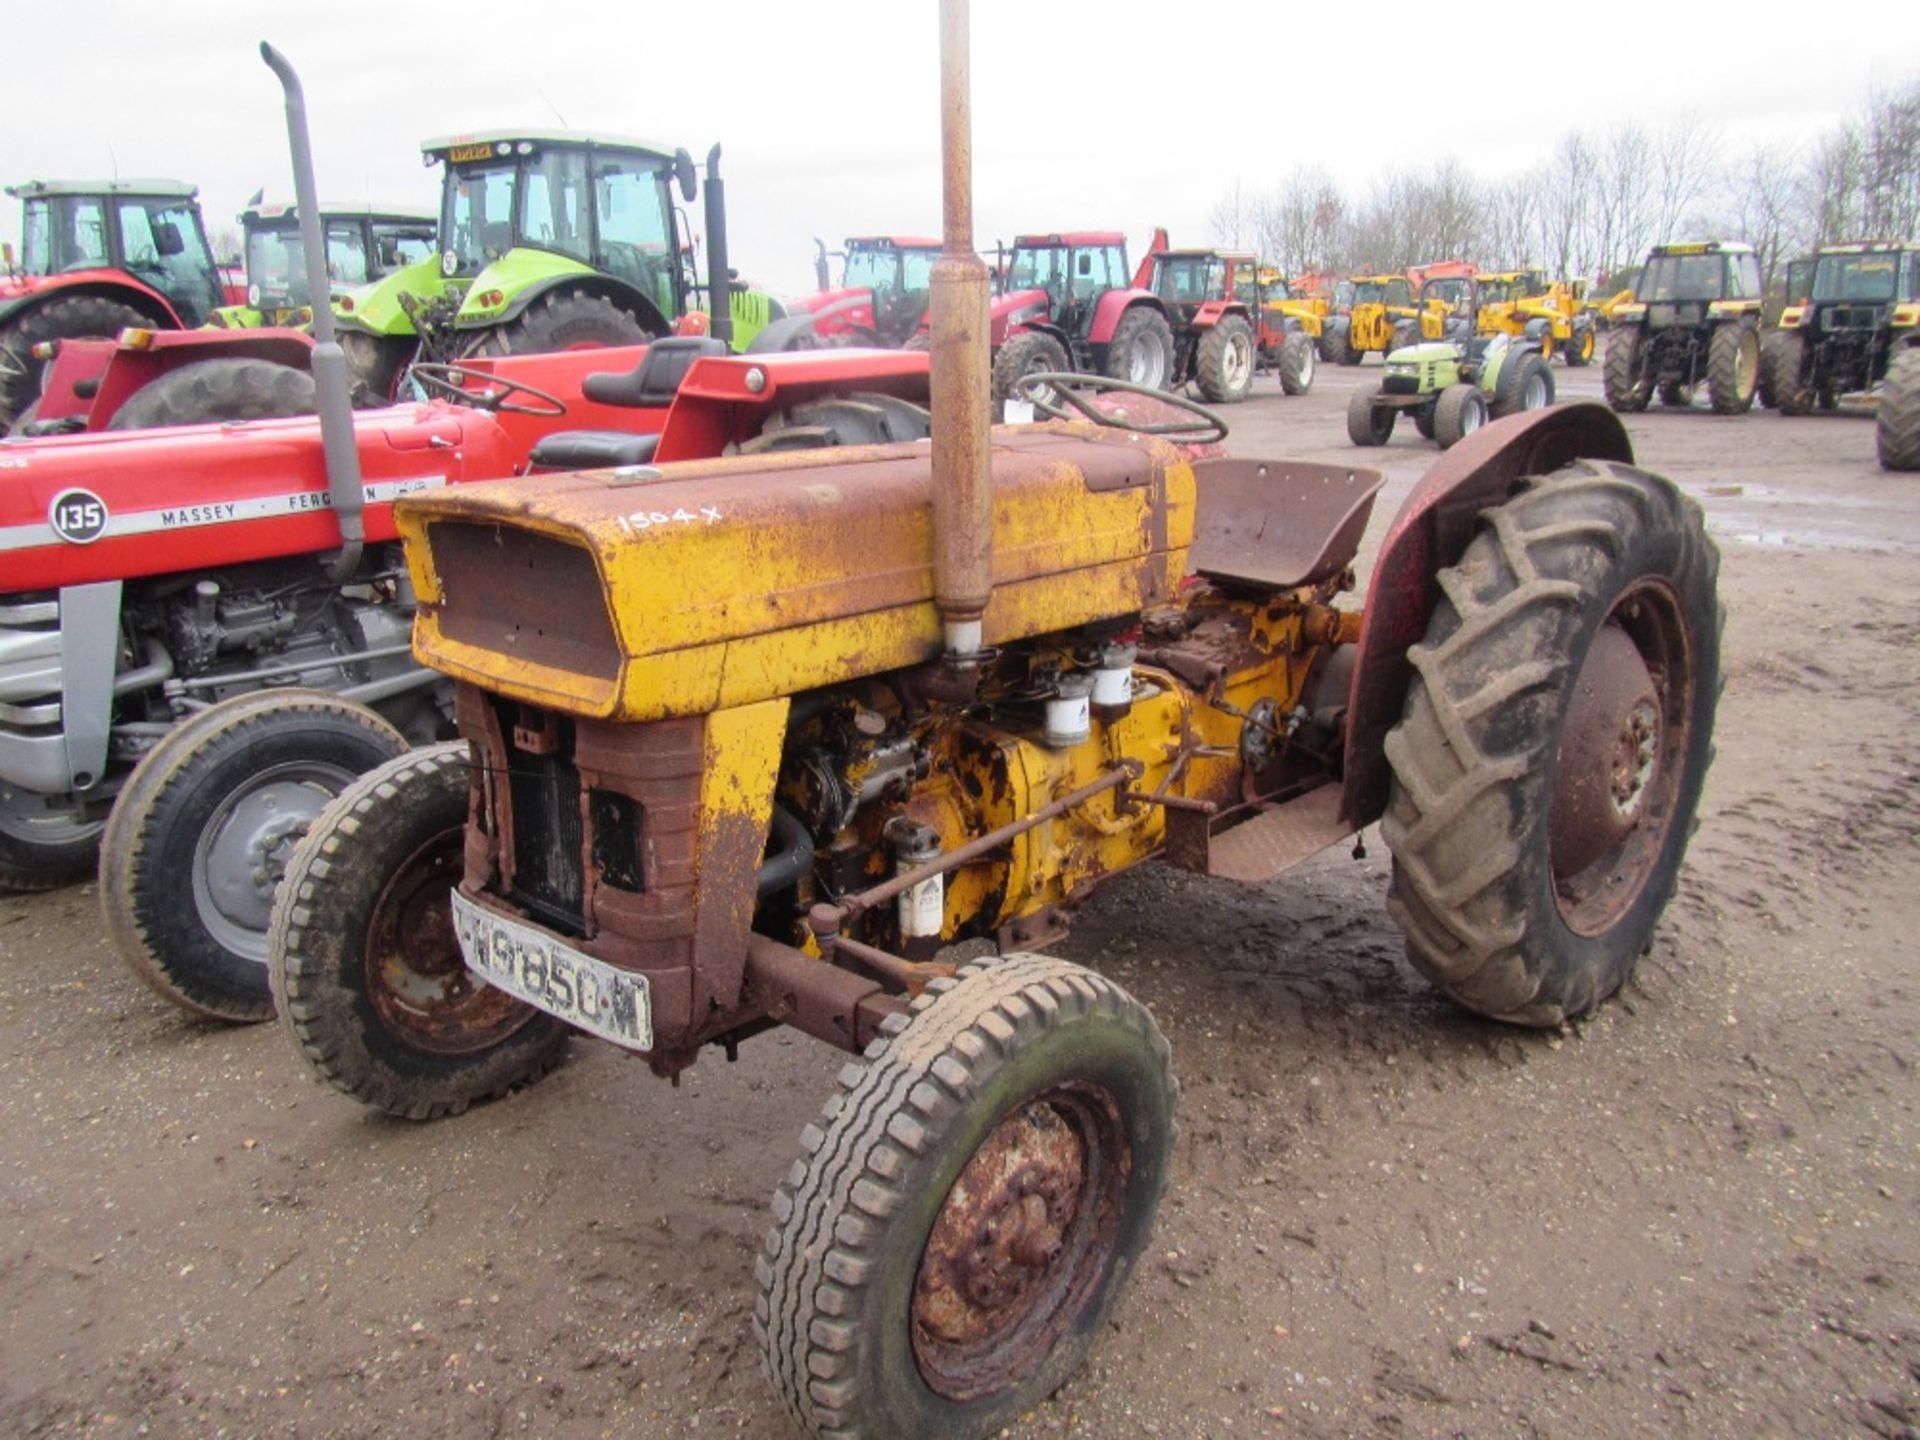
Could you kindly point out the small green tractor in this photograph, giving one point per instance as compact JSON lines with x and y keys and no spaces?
{"x":1452,"y":388}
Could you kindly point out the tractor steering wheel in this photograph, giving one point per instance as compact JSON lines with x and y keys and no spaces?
{"x":450,"y":383}
{"x":1046,"y":390}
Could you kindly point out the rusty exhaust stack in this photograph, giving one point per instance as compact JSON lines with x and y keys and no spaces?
{"x":329,"y":360}
{"x":962,"y":493}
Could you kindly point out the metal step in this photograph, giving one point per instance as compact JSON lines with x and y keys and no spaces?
{"x":1256,"y":850}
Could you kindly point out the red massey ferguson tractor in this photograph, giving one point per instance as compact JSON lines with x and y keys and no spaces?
{"x":1066,"y":304}
{"x":97,"y":257}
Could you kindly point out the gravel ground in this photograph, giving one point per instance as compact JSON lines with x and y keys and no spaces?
{"x":1693,"y":1214}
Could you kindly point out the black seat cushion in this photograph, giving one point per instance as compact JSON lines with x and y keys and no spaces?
{"x":652,"y":382}
{"x":592,"y":450}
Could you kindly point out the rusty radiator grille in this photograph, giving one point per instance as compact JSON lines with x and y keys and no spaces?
{"x":543,"y":789}
{"x":523,"y":595}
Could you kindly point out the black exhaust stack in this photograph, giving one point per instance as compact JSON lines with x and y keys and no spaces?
{"x":719,"y":278}
{"x":330,"y":386}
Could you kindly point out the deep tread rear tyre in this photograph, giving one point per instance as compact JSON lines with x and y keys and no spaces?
{"x":1025,"y":352}
{"x":1460,"y":410}
{"x":848,"y":1339}
{"x":202,"y":828}
{"x":1525,"y":383}
{"x":858,"y":419}
{"x":1627,"y":392}
{"x":1367,"y":423}
{"x":1223,"y":363}
{"x":563,"y":320}
{"x":1141,"y":351}
{"x":1297,"y":362}
{"x":1733,"y":369}
{"x":215,"y":390}
{"x":1897,"y":426}
{"x":375,"y":364}
{"x":1784,"y":357}
{"x":72,"y":317}
{"x":1475,"y":756}
{"x":389,"y":850}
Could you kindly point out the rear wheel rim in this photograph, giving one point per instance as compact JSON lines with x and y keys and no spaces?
{"x":1146,"y":362}
{"x":1534,"y":395}
{"x":1022,"y":1242}
{"x":243,"y":849}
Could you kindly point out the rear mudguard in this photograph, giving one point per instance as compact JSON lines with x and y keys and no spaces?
{"x":108,"y":284}
{"x":1429,"y":534}
{"x":94,"y":378}
{"x":1114,"y":304}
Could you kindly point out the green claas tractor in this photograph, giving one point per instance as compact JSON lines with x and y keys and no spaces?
{"x":1452,"y":388}
{"x":364,"y":244}
{"x":1694,"y":320}
{"x":549,"y":240}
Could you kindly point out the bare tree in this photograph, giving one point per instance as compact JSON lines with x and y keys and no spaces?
{"x":1231,"y":220}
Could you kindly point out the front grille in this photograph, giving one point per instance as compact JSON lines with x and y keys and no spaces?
{"x":1400,"y":385}
{"x":523,"y":595}
{"x":543,"y":790}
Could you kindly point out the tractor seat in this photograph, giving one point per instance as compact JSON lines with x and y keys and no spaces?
{"x":652,"y":383}
{"x":1271,"y":525}
{"x":592,"y":449}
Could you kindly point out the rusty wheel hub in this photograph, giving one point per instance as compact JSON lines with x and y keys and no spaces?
{"x":1020,"y":1244}
{"x":416,"y":977}
{"x":1619,"y":763}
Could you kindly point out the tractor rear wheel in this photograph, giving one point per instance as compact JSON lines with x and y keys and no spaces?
{"x":1026,"y":352}
{"x":74,"y":317}
{"x":1897,"y":426}
{"x":211,"y":390}
{"x":42,"y":846}
{"x":1785,"y":358}
{"x":965,"y":1213}
{"x":1297,"y":363}
{"x":563,"y":320}
{"x":1525,"y":383}
{"x":1141,"y":351}
{"x":201,"y":834}
{"x":1368,"y":423}
{"x":365,"y":967}
{"x":1460,"y":410}
{"x":857,"y":419}
{"x":375,"y":364}
{"x":1628,"y":391}
{"x":1224,"y":362}
{"x":1733,"y":369}
{"x":1558,"y":728}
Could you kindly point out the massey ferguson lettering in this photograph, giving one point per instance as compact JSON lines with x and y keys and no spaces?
{"x":197,"y":515}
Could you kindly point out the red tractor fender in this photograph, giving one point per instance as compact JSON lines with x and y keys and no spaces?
{"x":1429,"y":534}
{"x":1212,"y":312}
{"x":837,"y":312}
{"x":94,"y":378}
{"x":108,"y":284}
{"x":726,"y":399}
{"x":1114,"y":304}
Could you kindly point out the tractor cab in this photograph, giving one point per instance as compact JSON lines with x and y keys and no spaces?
{"x":1395,"y":292}
{"x":1695,"y":275}
{"x":363,"y":243}
{"x":1074,"y":270}
{"x":882,"y":296}
{"x":144,"y":234}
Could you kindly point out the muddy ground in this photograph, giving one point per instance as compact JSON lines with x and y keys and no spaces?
{"x":1693,"y":1215}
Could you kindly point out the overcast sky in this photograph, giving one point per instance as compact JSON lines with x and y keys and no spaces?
{"x":1099,"y":115}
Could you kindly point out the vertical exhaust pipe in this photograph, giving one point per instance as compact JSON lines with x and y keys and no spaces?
{"x":329,"y":360}
{"x":962,"y":493}
{"x":719,"y":276}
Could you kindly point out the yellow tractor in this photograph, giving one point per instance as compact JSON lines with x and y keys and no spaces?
{"x":1524,"y":305}
{"x":1381,"y":315}
{"x":746,"y":742}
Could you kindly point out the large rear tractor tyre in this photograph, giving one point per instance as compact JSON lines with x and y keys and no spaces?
{"x":968,"y":1208}
{"x":1141,"y":351}
{"x":1460,"y":410}
{"x":1025,"y":352}
{"x":1627,"y":390}
{"x":1224,"y":362}
{"x":375,"y":364}
{"x":44,"y":846}
{"x":1525,"y":383}
{"x":74,"y":317}
{"x":1897,"y":426}
{"x":1548,"y":764}
{"x":1368,"y":423}
{"x":1297,"y":364}
{"x":857,"y":419}
{"x":1733,"y":369}
{"x":564,"y":320}
{"x":216,"y":390}
{"x":1785,"y":359}
{"x":365,"y":967}
{"x":202,"y":831}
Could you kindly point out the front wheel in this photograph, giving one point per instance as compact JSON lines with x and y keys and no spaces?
{"x":1297,"y":361}
{"x":201,"y":834}
{"x":1897,"y":426}
{"x":1580,"y":348}
{"x":365,"y":967}
{"x":1224,"y":362}
{"x":1368,"y":423}
{"x":1549,"y":761}
{"x":966,"y":1212}
{"x":1025,"y":352}
{"x":1460,"y":410}
{"x":45,"y":841}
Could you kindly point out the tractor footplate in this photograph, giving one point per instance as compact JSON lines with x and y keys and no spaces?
{"x":1255,"y":851}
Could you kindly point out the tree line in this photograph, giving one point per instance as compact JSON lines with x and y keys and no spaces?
{"x":1601,"y":199}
